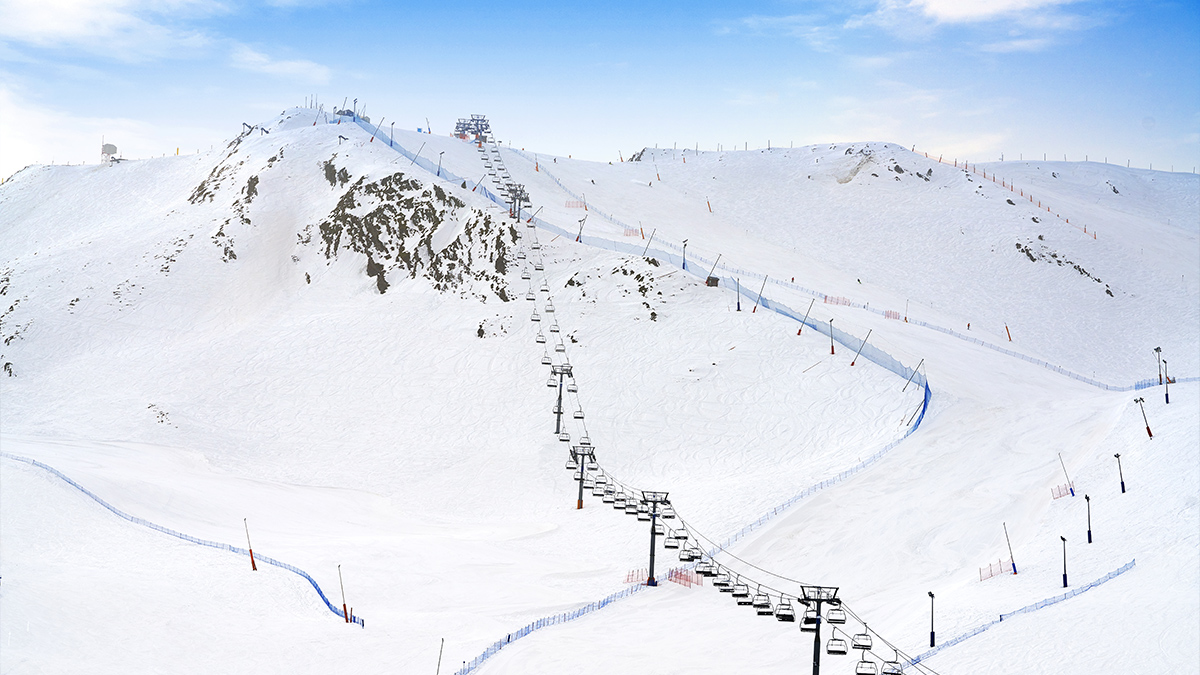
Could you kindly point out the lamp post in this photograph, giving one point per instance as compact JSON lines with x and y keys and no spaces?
{"x":439,"y":171}
{"x":1158,"y":353}
{"x":1088,"y":499}
{"x":1120,"y":472}
{"x":931,"y":640}
{"x":1142,"y":404}
{"x":831,"y":336}
{"x":1064,"y":541}
{"x":1166,"y":381}
{"x":685,"y":254}
{"x":392,"y":137}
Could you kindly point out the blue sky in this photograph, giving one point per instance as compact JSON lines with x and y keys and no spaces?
{"x":964,"y":78}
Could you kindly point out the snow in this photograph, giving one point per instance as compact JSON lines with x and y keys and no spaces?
{"x":381,"y":433}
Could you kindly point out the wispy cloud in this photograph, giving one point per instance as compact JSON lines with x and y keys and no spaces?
{"x":1018,"y":45}
{"x":127,"y":30}
{"x":814,"y":29}
{"x":245,"y":58}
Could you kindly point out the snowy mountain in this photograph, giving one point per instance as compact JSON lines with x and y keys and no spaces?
{"x":312,"y":330}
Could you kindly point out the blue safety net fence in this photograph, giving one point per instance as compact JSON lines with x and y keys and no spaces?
{"x":186,"y":537}
{"x":1024,"y":610}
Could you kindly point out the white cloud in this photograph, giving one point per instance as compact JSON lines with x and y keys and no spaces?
{"x":811,"y":28}
{"x":971,"y":11}
{"x":245,"y":58}
{"x":1018,"y":45}
{"x":129,"y":30}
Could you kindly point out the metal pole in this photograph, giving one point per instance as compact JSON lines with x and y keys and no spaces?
{"x":439,"y":666}
{"x":817,"y":642}
{"x":648,"y":242}
{"x":760,"y":292}
{"x":806,"y":312}
{"x":650,"y":580}
{"x":414,"y":159}
{"x":1064,"y":541}
{"x":931,"y":634}
{"x":1011,"y":558}
{"x":714,"y":267}
{"x":558,"y":408}
{"x":249,"y":546}
{"x":1064,"y":468}
{"x":1089,"y":511}
{"x":1158,"y":353}
{"x":1120,"y":472}
{"x":345,"y":612}
{"x":1141,"y":404}
{"x":739,"y":294}
{"x":831,"y":336}
{"x":860,"y":348}
{"x":910,"y":377}
{"x":1166,"y":381}
{"x":582,"y":465}
{"x":439,"y":171}
{"x":685,"y":254}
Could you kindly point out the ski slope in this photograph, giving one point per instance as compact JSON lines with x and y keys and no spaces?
{"x":406,"y":434}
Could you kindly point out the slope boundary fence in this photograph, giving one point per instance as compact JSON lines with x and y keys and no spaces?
{"x":1024,"y":610}
{"x":185,"y":537}
{"x":702,"y":262}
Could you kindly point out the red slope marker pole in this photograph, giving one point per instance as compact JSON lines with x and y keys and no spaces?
{"x":810,"y":306}
{"x":760,"y":292}
{"x":345,"y":612}
{"x":831,"y":336}
{"x":253,"y":567}
{"x":1009,"y":332}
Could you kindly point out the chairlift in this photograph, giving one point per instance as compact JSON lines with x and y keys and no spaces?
{"x":525,"y":274}
{"x":598,"y":489}
{"x":564,"y":437}
{"x":723,"y":582}
{"x":761,"y":602}
{"x":609,"y":497}
{"x":572,"y":465}
{"x":861,"y":641}
{"x":784,"y":611}
{"x":688,"y":555}
{"x":600,"y":479}
{"x":530,"y":296}
{"x":836,"y":647}
{"x":742,"y":593}
{"x":572,"y":387}
{"x":538,"y":266}
{"x":891,"y":668}
{"x":704,"y":569}
{"x":535,"y":246}
{"x":541,"y":338}
{"x":865,"y":667}
{"x":546,"y":360}
{"x":535,"y":317}
{"x":578,"y":413}
{"x":631,"y":507}
{"x":660,"y":530}
{"x":560,"y":348}
{"x":809,"y":623}
{"x":836,"y":615}
{"x":554,"y":328}
{"x":593,"y":465}
{"x":520,"y":255}
{"x":619,"y":502}
{"x":668,"y":512}
{"x":549,"y":308}
{"x":670,"y":542}
{"x":578,"y":475}
{"x":584,"y":440}
{"x":545,"y":287}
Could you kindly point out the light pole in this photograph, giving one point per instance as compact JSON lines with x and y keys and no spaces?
{"x":831,"y":336}
{"x":392,"y":137}
{"x":1158,"y":353}
{"x":1120,"y":472}
{"x":685,"y":254}
{"x":1089,"y":510}
{"x":439,"y":171}
{"x":1166,"y":381}
{"x":931,"y":640}
{"x":579,"y":236}
{"x":1064,"y":541}
{"x":1142,"y":404}
{"x":653,"y":499}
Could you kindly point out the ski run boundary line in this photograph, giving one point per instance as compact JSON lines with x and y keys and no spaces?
{"x":179,"y":535}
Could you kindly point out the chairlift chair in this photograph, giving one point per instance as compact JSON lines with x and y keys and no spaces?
{"x":670,"y":542}
{"x":836,"y":647}
{"x":761,"y":602}
{"x":601,"y":479}
{"x":809,"y":623}
{"x":861,"y":641}
{"x":549,"y":308}
{"x":525,"y":274}
{"x":535,"y":246}
{"x":572,"y":387}
{"x":723,"y":582}
{"x":598,"y":490}
{"x":688,"y":555}
{"x":530,"y":296}
{"x":572,"y":465}
{"x":564,"y":436}
{"x":577,"y":476}
{"x":561,"y":348}
{"x":584,"y":440}
{"x":520,"y":255}
{"x":619,"y":502}
{"x":865,"y":667}
{"x":538,"y":266}
{"x":703,"y":568}
{"x":608,"y":498}
{"x":631,"y":508}
{"x":836,"y":615}
{"x":552,"y":383}
{"x":541,"y":338}
{"x":546,"y":360}
{"x":742,"y":593}
{"x":784,"y":611}
{"x":593,"y":465}
{"x":659,"y":529}
{"x":535,"y":317}
{"x":578,"y":413}
{"x":668,"y":512}
{"x":545,"y":287}
{"x":588,"y":482}
{"x":554,"y":328}
{"x":891,"y":668}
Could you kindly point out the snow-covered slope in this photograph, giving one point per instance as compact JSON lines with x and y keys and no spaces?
{"x":309,"y":331}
